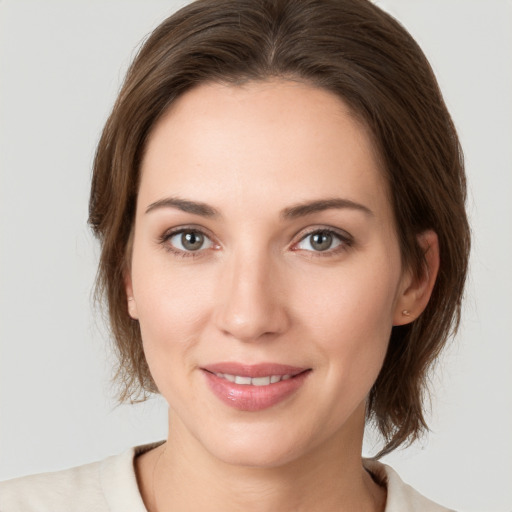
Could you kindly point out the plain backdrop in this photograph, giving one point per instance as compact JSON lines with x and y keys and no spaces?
{"x":61,"y":65}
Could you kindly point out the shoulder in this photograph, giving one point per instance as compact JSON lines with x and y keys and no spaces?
{"x":400,"y":496}
{"x":107,"y":485}
{"x":61,"y":490}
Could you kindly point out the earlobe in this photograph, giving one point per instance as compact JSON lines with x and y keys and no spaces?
{"x":132,"y":305}
{"x":416,"y":294}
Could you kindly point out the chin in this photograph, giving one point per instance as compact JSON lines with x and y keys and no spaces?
{"x":256,"y":454}
{"x":260,"y":445}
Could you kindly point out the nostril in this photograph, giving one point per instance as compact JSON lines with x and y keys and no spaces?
{"x":248,"y":307}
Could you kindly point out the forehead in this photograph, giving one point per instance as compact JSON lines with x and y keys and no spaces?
{"x":284,"y":140}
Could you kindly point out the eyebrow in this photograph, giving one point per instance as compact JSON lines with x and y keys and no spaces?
{"x":292,"y":212}
{"x":307,"y":208}
{"x":185,"y":205}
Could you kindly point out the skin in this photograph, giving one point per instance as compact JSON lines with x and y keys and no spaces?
{"x":258,"y":291}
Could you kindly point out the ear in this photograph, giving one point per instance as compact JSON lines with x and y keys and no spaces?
{"x":416,"y":291}
{"x":132,"y":305}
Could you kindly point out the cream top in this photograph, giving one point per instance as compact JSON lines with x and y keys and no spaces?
{"x":110,"y":485}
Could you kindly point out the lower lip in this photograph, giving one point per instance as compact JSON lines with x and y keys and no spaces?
{"x":253,"y":398}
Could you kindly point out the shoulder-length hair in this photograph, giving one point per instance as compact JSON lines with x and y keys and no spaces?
{"x":364,"y":56}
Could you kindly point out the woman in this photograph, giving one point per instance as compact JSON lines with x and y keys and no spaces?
{"x":279,"y":196}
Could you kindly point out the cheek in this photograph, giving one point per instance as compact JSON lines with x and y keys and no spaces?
{"x":350,"y":316}
{"x":356,"y":299}
{"x":172,"y":309}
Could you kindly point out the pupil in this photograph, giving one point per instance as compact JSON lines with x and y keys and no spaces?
{"x":321,"y":241}
{"x":192,"y":241}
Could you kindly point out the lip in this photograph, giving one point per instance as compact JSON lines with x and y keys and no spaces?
{"x":253,"y":370}
{"x":248,"y":397}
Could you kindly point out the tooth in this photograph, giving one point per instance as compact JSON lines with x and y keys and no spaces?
{"x":260,"y":381}
{"x":285,"y":377}
{"x":242,"y":380}
{"x":229,"y":377}
{"x":274,"y":379}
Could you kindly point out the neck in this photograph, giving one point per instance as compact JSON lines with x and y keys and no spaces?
{"x":331,"y":477}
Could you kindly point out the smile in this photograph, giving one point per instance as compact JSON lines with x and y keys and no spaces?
{"x":254,"y":387}
{"x":253,"y":381}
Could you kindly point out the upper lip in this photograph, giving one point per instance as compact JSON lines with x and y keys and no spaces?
{"x":253,"y":370}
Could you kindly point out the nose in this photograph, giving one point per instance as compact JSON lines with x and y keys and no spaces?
{"x":252,"y":304}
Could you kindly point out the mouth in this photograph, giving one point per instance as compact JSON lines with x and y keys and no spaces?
{"x":254,"y":387}
{"x":253,"y":381}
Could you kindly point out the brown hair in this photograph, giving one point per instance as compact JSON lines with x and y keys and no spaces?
{"x":357,"y":51}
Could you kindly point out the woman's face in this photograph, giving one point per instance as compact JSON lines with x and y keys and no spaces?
{"x":266,"y":273}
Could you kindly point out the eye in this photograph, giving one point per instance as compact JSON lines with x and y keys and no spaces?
{"x":322,"y":241}
{"x":188,"y":240}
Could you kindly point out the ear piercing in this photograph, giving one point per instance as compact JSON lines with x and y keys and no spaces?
{"x":406,"y":312}
{"x":132,"y":308}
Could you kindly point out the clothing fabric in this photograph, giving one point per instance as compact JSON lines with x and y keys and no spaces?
{"x":110,"y":485}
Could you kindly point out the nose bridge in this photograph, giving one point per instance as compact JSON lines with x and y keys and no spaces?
{"x":250,"y":304}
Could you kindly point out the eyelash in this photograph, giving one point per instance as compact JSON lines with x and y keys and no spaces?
{"x":166,"y":237}
{"x":345,"y":242}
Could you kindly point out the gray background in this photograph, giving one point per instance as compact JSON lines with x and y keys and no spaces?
{"x":61,"y":64}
